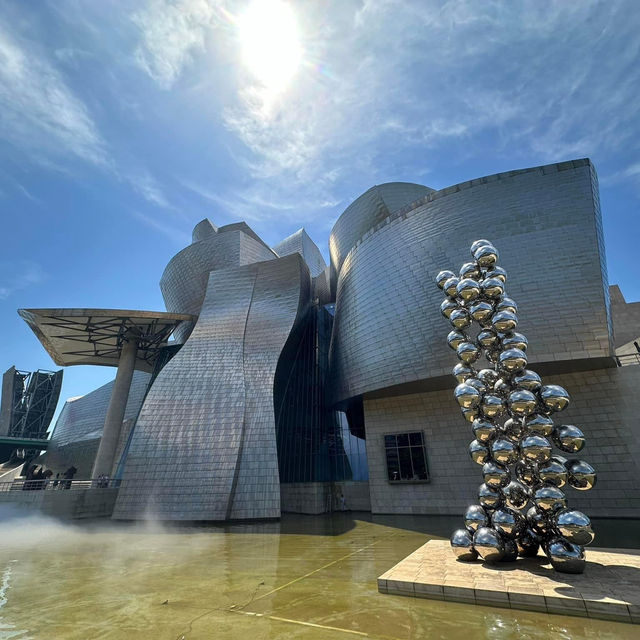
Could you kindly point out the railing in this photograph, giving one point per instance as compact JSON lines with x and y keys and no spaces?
{"x":60,"y":484}
{"x":627,"y":359}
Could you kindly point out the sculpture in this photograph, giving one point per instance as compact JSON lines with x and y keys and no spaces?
{"x":521,"y":503}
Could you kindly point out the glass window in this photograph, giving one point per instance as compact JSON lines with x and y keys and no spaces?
{"x":406,"y":457}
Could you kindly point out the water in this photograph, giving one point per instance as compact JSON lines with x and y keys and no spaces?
{"x":306,"y":577}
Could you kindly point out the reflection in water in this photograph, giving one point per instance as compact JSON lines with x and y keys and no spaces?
{"x":304,"y":577}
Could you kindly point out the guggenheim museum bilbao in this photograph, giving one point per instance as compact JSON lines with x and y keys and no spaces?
{"x":274,"y":382}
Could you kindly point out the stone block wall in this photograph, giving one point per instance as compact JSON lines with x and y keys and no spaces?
{"x":605,"y":405}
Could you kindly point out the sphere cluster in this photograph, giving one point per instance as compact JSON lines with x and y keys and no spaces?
{"x":522,"y":506}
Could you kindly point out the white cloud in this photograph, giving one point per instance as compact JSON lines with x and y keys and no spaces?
{"x":172,"y":33}
{"x":147,"y":186}
{"x":176,"y":234}
{"x":18,"y":275}
{"x":39,"y":113}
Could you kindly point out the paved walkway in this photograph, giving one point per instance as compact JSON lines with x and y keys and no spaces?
{"x":608,"y":589}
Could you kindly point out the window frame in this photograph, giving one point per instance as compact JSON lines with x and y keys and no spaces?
{"x":395,"y":449}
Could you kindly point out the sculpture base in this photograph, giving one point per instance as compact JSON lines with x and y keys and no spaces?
{"x":608,"y":589}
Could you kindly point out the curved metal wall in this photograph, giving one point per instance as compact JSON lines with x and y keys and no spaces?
{"x":364,"y":213}
{"x":546,"y":224}
{"x":300,"y":242}
{"x":204,"y":446}
{"x":184,"y":281}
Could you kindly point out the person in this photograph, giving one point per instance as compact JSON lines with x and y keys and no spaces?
{"x":28,"y":479}
{"x":68,"y":474}
{"x":46,"y":475}
{"x":343,"y":503}
{"x":56,"y":481}
{"x":38,"y":477}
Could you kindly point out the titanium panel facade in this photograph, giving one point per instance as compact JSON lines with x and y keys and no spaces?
{"x":78,"y":429}
{"x":388,"y":328}
{"x":204,"y":446}
{"x":300,"y":242}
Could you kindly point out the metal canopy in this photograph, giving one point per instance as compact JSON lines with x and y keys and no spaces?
{"x":96,"y":336}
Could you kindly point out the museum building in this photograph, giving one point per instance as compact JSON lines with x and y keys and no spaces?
{"x":290,"y":385}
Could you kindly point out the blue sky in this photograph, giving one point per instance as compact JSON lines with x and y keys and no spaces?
{"x":122,"y":124}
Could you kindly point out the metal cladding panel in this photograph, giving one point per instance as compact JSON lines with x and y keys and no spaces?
{"x":544,"y":221}
{"x":300,"y":242}
{"x":78,"y":429}
{"x":364,"y":213}
{"x":204,"y":446}
{"x":184,"y":281}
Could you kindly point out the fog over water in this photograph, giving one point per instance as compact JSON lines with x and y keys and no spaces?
{"x":311,"y":577}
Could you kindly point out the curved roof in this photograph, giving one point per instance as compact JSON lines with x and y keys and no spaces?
{"x":96,"y":336}
{"x":365,"y":212}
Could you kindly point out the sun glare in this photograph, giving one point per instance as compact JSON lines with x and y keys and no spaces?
{"x":270,"y":43}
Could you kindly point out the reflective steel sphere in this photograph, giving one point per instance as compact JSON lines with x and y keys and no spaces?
{"x":510,"y":551}
{"x":521,"y":403}
{"x":548,"y":500}
{"x":492,"y":406}
{"x":526,"y":474}
{"x":492,"y":288}
{"x":528,"y":380}
{"x":462,"y":545}
{"x":535,"y":449}
{"x":455,"y":337}
{"x":504,"y":451}
{"x":502,"y":387}
{"x":504,"y":321}
{"x":495,"y":475}
{"x":515,"y":340}
{"x":512,"y":361}
{"x":480,"y":243}
{"x":447,"y":306}
{"x":565,"y":557}
{"x":468,"y":352}
{"x":470,"y":414}
{"x":462,"y":372}
{"x":468,"y":289}
{"x":487,"y":339}
{"x":497,"y":272}
{"x":489,"y":544}
{"x":475,"y":516}
{"x":470,"y":270}
{"x":450,"y":286}
{"x":582,"y":475}
{"x":479,"y":452}
{"x":481,"y":311}
{"x":477,"y":383}
{"x":553,"y":473}
{"x":507,"y":522}
{"x":575,"y":527}
{"x":488,"y":377}
{"x":460,"y":318}
{"x":514,"y":428}
{"x":490,"y":497}
{"x":484,"y":430}
{"x":507,"y":304}
{"x":568,"y":438}
{"x":486,"y":256}
{"x":554,"y":397}
{"x":442,"y":277}
{"x":539,"y":425}
{"x":516,"y":494}
{"x":538,"y":522}
{"x":468,"y":397}
{"x":528,"y":544}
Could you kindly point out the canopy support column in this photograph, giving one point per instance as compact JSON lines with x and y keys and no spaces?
{"x":115,"y":412}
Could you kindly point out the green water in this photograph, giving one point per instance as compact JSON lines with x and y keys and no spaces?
{"x":304,"y":577}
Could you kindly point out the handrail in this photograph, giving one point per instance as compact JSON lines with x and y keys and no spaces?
{"x":53,"y":484}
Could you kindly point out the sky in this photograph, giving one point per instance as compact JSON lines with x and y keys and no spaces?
{"x":123,"y":124}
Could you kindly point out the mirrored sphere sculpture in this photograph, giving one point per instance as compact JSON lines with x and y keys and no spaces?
{"x":522,"y":506}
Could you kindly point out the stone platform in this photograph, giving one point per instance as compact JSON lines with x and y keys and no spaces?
{"x":608,"y":589}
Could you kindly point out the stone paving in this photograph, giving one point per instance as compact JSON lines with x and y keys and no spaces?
{"x":609,"y":588}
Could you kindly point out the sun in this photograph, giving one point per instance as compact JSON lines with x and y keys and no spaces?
{"x":270,"y":43}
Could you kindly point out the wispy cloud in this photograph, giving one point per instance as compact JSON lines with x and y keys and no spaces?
{"x":175,"y":233}
{"x":18,"y":275}
{"x":147,"y":186}
{"x":39,"y":113}
{"x":172,"y":33}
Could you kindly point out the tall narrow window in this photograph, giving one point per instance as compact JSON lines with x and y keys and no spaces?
{"x":406,"y":457}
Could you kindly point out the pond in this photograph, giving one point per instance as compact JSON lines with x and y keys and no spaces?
{"x":310,"y":577}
